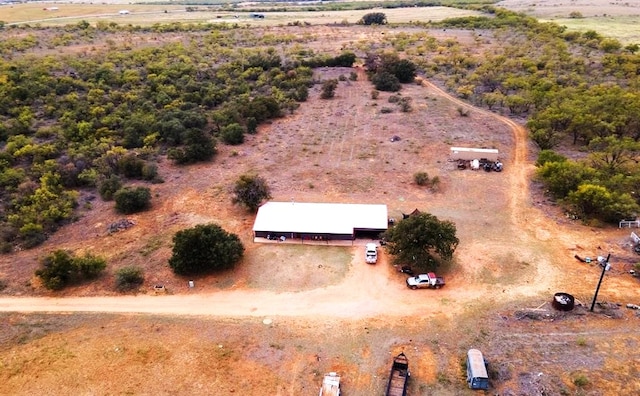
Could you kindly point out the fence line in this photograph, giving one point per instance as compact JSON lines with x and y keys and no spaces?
{"x":629,"y":223}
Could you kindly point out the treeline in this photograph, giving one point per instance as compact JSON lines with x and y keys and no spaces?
{"x":577,"y":90}
{"x":100,"y":121}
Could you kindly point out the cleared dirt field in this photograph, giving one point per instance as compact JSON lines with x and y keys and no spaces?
{"x":289,"y":312}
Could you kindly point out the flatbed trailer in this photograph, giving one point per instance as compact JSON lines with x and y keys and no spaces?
{"x":399,"y":376}
{"x":330,"y":385}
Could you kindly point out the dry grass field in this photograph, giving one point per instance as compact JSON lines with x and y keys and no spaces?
{"x":148,"y":14}
{"x":617,"y":19}
{"x":290,"y":313}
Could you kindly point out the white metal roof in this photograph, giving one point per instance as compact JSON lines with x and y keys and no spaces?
{"x":320,"y":218}
{"x":472,"y":149}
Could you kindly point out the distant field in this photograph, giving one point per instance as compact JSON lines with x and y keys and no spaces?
{"x":623,"y":28}
{"x":143,"y":14}
{"x":619,"y":20}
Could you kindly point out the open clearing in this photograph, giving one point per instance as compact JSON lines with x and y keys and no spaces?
{"x":148,"y":14}
{"x":334,"y":313}
{"x":617,"y":19}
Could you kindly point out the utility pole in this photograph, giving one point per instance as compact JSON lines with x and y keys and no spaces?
{"x":605,"y":266}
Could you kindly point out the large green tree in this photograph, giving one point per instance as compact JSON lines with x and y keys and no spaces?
{"x":250,"y":191}
{"x":421,"y":241}
{"x":204,"y":248}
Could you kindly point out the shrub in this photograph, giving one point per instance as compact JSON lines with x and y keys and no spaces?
{"x":5,"y":247}
{"x":150,"y":173}
{"x":132,"y":200}
{"x":421,"y":178}
{"x":405,"y":105}
{"x":549,"y":156}
{"x":252,"y":123}
{"x":385,"y":81}
{"x":89,"y":266}
{"x":373,"y":18}
{"x":329,"y":89}
{"x":463,"y":111}
{"x":250,"y":191}
{"x":404,"y":70}
{"x":232,"y":134}
{"x":109,"y":186}
{"x":60,"y":268}
{"x":581,"y":381}
{"x":130,"y":166}
{"x":345,"y":59}
{"x":199,"y":146}
{"x":128,"y":278}
{"x":434,"y":184}
{"x":204,"y":248}
{"x":300,"y":94}
{"x":32,"y":235}
{"x":375,"y":94}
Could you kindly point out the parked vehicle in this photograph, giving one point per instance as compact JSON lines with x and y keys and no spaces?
{"x":405,"y":269}
{"x":425,"y":281}
{"x":477,"y":376}
{"x":371,"y":253}
{"x":330,"y":385}
{"x":399,"y":376}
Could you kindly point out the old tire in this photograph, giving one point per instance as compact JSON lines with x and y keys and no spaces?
{"x":563,"y":301}
{"x":437,"y":286}
{"x":414,"y":287}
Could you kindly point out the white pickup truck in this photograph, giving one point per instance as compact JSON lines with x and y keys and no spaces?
{"x":371,"y":253}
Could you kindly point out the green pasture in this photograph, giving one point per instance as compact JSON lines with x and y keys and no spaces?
{"x":625,"y":28}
